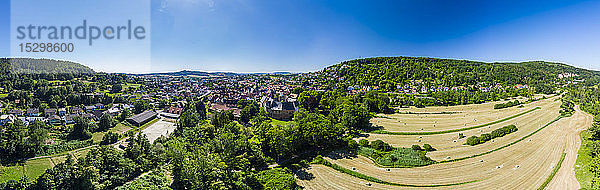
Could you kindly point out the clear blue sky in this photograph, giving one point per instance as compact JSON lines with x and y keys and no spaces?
{"x":300,"y":35}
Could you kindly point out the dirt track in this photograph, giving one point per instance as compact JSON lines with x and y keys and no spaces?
{"x":565,"y":177}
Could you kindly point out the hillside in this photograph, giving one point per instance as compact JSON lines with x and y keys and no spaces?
{"x":380,"y":71}
{"x":38,"y":66}
{"x":191,"y":73}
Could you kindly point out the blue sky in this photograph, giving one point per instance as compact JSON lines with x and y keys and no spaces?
{"x":299,"y":35}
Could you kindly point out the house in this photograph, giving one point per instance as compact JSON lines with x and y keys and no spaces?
{"x":99,"y":106}
{"x":75,"y":110}
{"x":173,"y":110}
{"x":49,"y":112}
{"x":89,"y":108}
{"x":33,"y":112}
{"x":114,"y":111}
{"x":142,"y":118}
{"x":280,"y":110}
{"x":16,"y":112}
{"x":62,"y":111}
{"x":70,"y":118}
{"x":28,"y":120}
{"x":97,"y":114}
{"x":221,"y":107}
{"x":6,"y":119}
{"x":54,"y":119}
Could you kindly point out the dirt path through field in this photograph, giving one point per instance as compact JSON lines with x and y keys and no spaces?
{"x":565,"y":177}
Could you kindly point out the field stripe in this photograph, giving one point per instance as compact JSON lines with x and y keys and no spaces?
{"x":453,"y":130}
{"x":376,"y":180}
{"x":507,"y":145}
{"x":556,"y":168}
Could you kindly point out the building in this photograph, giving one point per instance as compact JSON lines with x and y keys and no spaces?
{"x":75,"y":110}
{"x":33,"y":112}
{"x":49,"y":112}
{"x":62,"y":111}
{"x":142,"y":118}
{"x":280,"y":110}
{"x":70,"y":118}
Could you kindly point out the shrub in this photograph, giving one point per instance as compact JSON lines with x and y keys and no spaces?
{"x":428,"y":147}
{"x":460,"y":136}
{"x":363,"y":142}
{"x":416,"y":147}
{"x":110,"y":138}
{"x":352,"y":144}
{"x":381,"y":146}
{"x":474,"y":140}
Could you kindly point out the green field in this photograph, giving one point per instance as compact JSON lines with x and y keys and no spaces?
{"x":35,"y":168}
{"x":97,"y":137}
{"x":582,"y":165}
{"x":278,"y":122}
{"x":397,"y":158}
{"x":11,"y":173}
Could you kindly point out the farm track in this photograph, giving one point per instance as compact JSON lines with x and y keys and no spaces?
{"x":523,"y":165}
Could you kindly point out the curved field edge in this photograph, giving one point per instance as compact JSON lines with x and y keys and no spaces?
{"x":376,"y":180}
{"x":556,"y":168}
{"x":507,"y":145}
{"x":453,"y":130}
{"x":582,"y":164}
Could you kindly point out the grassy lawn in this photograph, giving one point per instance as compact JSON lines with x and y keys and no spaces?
{"x":278,"y":122}
{"x":97,"y":137}
{"x":582,"y":165}
{"x":11,"y":173}
{"x":120,"y":128}
{"x":35,"y":168}
{"x":81,"y":153}
{"x":398,"y":158}
{"x":59,"y":159}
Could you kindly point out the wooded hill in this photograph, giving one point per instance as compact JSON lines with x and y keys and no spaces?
{"x":392,"y":71}
{"x":42,"y":66}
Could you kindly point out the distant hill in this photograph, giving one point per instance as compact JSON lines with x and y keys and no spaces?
{"x":190,"y":73}
{"x":392,"y":71}
{"x":43,"y":66}
{"x":207,"y":74}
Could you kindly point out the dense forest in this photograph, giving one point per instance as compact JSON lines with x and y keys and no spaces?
{"x":44,"y":66}
{"x":389,"y":72}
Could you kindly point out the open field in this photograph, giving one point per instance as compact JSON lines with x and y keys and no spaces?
{"x":525,"y":164}
{"x":455,"y":117}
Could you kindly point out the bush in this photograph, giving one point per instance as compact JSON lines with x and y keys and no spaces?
{"x":363,"y":142}
{"x":110,"y":138}
{"x":381,"y":146}
{"x":416,"y":147}
{"x":474,"y":140}
{"x":460,"y":136}
{"x":428,"y":148}
{"x":352,"y":144}
{"x":507,"y":104}
{"x":277,"y":178}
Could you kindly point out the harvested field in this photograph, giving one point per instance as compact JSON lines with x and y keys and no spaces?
{"x":448,"y":142}
{"x":461,"y":117}
{"x":522,"y":165}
